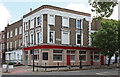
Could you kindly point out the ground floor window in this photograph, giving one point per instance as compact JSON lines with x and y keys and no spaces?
{"x":96,"y":56}
{"x":45,"y":55}
{"x":72,"y":55}
{"x":82,"y":55}
{"x":36,"y":55}
{"x":57,"y":55}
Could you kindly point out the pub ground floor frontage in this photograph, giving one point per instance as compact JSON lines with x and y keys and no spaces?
{"x":52,"y":55}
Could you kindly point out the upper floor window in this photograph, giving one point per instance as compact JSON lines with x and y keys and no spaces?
{"x":3,"y":36}
{"x":15,"y":43}
{"x":51,"y":19}
{"x":31,"y":39}
{"x":7,"y":34}
{"x":78,"y":25}
{"x":52,"y":37}
{"x":31,"y":23}
{"x":3,"y":46}
{"x":38,"y":21}
{"x":20,"y":30}
{"x":65,"y":37}
{"x":11,"y":33}
{"x":11,"y":44}
{"x":7,"y":45}
{"x":20,"y":42}
{"x":26,"y":40}
{"x":65,"y":22}
{"x":38,"y":38}
{"x":26,"y":25}
{"x":78,"y":39}
{"x":15,"y":31}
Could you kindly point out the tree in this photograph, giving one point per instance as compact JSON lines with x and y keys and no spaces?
{"x":102,"y":9}
{"x":107,"y":38}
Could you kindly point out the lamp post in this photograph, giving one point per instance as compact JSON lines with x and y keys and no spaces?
{"x":80,"y":47}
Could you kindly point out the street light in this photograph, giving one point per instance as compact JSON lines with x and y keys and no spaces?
{"x":80,"y":47}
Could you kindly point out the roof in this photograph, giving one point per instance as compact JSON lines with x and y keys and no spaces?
{"x":57,"y":8}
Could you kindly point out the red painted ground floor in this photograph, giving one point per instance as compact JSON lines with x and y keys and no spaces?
{"x":52,"y":55}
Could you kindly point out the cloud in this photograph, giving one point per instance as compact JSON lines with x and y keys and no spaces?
{"x":84,"y":7}
{"x":4,"y":16}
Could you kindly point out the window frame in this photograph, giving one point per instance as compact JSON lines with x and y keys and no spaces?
{"x":57,"y":53}
{"x":53,"y":37}
{"x":62,"y":42}
{"x":63,"y":24}
{"x":82,"y":54}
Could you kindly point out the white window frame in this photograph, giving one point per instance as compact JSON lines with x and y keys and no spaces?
{"x":31,"y":23}
{"x":37,"y":38}
{"x":37,"y":21}
{"x":81,"y":38}
{"x":26,"y":41}
{"x":49,"y":19}
{"x":53,"y":37}
{"x":63,"y":22}
{"x":80,"y":23}
{"x":7,"y":34}
{"x":7,"y":45}
{"x":20,"y":42}
{"x":11,"y":43}
{"x":15,"y":44}
{"x":16,"y":31}
{"x":26,"y":26}
{"x":11,"y":33}
{"x":31,"y":39}
{"x":68,"y":37}
{"x":20,"y":30}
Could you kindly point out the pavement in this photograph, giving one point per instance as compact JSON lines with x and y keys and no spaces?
{"x":27,"y":70}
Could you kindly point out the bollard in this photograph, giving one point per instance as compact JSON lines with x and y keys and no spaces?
{"x":37,"y":67}
{"x":58,"y":66}
{"x":45,"y":67}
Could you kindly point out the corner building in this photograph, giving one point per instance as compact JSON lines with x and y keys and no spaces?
{"x":54,"y":34}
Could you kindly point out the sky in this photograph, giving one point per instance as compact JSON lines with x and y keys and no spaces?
{"x":13,"y":10}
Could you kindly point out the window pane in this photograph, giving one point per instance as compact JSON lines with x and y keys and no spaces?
{"x":72,"y":57}
{"x":57,"y":57}
{"x":38,"y":20}
{"x":78,"y":39}
{"x":78,"y":23}
{"x":45,"y":56}
{"x":83,"y":57}
{"x":96,"y":57}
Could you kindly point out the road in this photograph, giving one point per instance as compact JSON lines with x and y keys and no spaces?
{"x":99,"y":72}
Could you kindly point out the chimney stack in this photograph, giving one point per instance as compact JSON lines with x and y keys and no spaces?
{"x":30,"y":9}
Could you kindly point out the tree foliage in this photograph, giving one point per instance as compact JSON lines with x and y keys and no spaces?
{"x":102,"y":9}
{"x":107,"y":37}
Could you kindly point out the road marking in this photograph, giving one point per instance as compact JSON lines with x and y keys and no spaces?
{"x":99,"y":74}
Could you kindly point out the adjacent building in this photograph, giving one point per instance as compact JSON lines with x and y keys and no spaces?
{"x":14,"y":42}
{"x":2,"y":46}
{"x":53,"y":35}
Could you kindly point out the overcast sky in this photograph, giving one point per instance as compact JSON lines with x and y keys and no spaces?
{"x":13,"y":10}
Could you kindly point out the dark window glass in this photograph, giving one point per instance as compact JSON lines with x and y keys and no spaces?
{"x":45,"y":55}
{"x":78,"y":39}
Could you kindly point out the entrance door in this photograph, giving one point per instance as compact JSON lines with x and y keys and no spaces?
{"x":101,"y":59}
{"x":68,"y":59}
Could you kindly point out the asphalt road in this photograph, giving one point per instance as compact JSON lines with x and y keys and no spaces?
{"x":84,"y":73}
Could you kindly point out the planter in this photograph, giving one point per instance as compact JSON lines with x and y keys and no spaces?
{"x":4,"y":66}
{"x":10,"y":66}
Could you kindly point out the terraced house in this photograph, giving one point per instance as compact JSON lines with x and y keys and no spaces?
{"x":54,"y":34}
{"x":14,"y":42}
{"x":2,"y":46}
